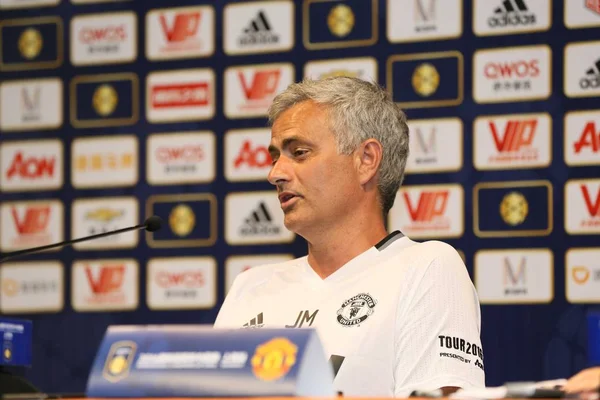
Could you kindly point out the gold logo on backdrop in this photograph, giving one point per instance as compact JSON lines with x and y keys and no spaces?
{"x":182,"y":220}
{"x":7,"y":354}
{"x":10,"y":287}
{"x":425,"y":79}
{"x":340,"y":20}
{"x":514,"y":208}
{"x":340,"y":72}
{"x":30,"y":43}
{"x":274,"y":359}
{"x":580,"y":274}
{"x":104,"y":214}
{"x":105,"y":100}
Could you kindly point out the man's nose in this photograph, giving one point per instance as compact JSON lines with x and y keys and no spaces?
{"x":279,"y":172}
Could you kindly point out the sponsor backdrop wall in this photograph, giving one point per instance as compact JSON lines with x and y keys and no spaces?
{"x":112,"y":111}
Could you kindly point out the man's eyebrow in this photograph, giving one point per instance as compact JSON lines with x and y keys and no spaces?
{"x":286,"y":142}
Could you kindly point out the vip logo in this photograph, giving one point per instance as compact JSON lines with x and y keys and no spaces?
{"x":178,"y":33}
{"x":105,"y":285}
{"x":512,"y":12}
{"x":431,"y":206}
{"x":591,"y":80}
{"x":589,"y":139}
{"x":517,"y":134}
{"x":35,"y":221}
{"x":515,"y":280}
{"x":249,"y":90}
{"x":110,"y":279}
{"x":425,"y":15}
{"x":183,"y":31}
{"x":582,"y":206}
{"x":593,"y":5}
{"x":592,"y":201}
{"x":263,"y":86}
{"x":304,"y":317}
{"x":428,"y":211}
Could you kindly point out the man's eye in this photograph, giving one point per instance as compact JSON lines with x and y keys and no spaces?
{"x":298,"y":153}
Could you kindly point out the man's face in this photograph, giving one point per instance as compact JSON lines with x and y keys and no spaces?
{"x":316,"y":185}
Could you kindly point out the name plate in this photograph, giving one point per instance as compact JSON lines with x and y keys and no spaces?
{"x":16,"y":342}
{"x":201,"y":361}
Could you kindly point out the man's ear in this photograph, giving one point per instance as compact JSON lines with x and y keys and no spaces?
{"x":368,"y":158}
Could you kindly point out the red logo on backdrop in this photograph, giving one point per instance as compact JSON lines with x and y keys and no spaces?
{"x":107,"y":288}
{"x":34,"y":221}
{"x":110,"y":279}
{"x":188,"y":279}
{"x":261,"y":90}
{"x":592,"y":202}
{"x":190,"y":154}
{"x":516,"y":142}
{"x":181,"y":35}
{"x":512,"y":69}
{"x":180,"y":95}
{"x":431,"y":205}
{"x":109,"y":33}
{"x":31,"y":167}
{"x":257,"y":157}
{"x":593,"y":5}
{"x":590,"y":137}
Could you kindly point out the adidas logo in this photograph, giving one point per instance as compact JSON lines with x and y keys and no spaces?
{"x":259,"y":31}
{"x":256,"y":322}
{"x":511,"y":13}
{"x":591,"y":80}
{"x":260,"y":222}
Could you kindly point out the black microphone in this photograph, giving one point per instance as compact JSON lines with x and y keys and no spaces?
{"x":151,"y":224}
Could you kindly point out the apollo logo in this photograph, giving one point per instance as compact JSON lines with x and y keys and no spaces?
{"x":512,"y":13}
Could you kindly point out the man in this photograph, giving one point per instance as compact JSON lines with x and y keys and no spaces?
{"x":585,"y":384}
{"x":403,"y":315}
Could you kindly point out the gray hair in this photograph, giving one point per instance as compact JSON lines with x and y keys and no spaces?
{"x":358,"y":110}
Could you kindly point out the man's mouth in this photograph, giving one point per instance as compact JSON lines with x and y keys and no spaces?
{"x":286,"y":197}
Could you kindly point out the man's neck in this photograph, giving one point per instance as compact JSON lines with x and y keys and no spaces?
{"x":329,"y":252}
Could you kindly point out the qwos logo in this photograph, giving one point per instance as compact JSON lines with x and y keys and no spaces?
{"x":247,"y":156}
{"x":582,"y":138}
{"x":104,"y":38}
{"x":185,"y":157}
{"x":182,"y":283}
{"x":514,"y":74}
{"x":31,"y":165}
{"x":176,"y":33}
{"x":249,"y":90}
{"x":183,"y":95}
{"x":512,"y":141}
{"x":429,"y":211}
